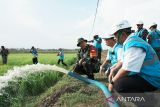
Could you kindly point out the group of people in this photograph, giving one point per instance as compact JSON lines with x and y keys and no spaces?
{"x":60,"y":55}
{"x":133,"y":58}
{"x":5,"y":52}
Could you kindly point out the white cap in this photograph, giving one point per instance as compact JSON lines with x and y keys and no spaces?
{"x":139,"y":23}
{"x":108,"y":36}
{"x":153,"y":24}
{"x":121,"y":25}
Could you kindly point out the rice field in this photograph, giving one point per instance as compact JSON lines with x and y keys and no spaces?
{"x":26,"y":58}
{"x":23,"y":80}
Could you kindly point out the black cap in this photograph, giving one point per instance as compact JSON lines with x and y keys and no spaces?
{"x":80,"y":40}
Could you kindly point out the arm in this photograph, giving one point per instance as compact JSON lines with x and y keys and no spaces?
{"x":113,"y":70}
{"x":120,"y":74}
{"x":7,"y":52}
{"x":116,"y":67}
{"x":99,"y":40}
{"x":105,"y":62}
{"x":101,"y":67}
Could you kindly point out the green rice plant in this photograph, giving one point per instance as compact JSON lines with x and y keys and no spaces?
{"x":33,"y":84}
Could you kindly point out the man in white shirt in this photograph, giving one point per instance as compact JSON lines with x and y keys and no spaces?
{"x":140,"y":67}
{"x":113,"y":54}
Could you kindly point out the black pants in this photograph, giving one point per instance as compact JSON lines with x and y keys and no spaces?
{"x":4,"y":59}
{"x":85,"y":69}
{"x":99,"y":51}
{"x":35,"y":60}
{"x":133,"y":84}
{"x":134,"y":87}
{"x":61,"y":60}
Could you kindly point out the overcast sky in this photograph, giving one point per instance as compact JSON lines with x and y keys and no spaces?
{"x":59,"y":23}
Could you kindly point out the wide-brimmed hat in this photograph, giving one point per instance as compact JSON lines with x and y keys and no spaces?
{"x":80,"y":40}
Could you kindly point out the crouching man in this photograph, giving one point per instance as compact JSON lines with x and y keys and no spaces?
{"x":87,"y":63}
{"x":140,"y":71}
{"x":113,"y":55}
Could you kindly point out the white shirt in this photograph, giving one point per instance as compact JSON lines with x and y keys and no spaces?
{"x":133,"y":59}
{"x":119,"y":53}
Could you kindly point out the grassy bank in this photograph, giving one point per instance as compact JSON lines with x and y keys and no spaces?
{"x":20,"y":89}
{"x":69,"y":92}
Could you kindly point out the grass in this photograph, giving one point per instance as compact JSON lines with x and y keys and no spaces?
{"x":26,"y":58}
{"x":21,"y":90}
{"x":34,"y":84}
{"x":82,"y":95}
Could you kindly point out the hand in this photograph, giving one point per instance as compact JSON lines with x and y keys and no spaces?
{"x":110,"y":76}
{"x":101,"y":70}
{"x":80,"y":61}
{"x":107,"y":72}
{"x":110,"y":87}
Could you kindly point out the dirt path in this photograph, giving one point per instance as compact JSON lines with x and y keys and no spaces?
{"x":53,"y":98}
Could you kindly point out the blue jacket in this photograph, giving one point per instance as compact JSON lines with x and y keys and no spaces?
{"x":150,"y":69}
{"x":97,"y":45}
{"x":61,"y":55}
{"x":113,"y":55}
{"x":139,"y":33}
{"x":34,"y":52}
{"x":155,"y":38}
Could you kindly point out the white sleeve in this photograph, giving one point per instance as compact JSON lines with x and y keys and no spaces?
{"x":119,"y":53}
{"x":107,"y":58}
{"x":133,"y":59}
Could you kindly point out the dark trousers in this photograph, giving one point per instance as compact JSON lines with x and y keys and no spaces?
{"x":4,"y":59}
{"x":85,"y":69}
{"x":133,"y":84}
{"x":99,"y":51}
{"x":61,"y":60}
{"x":35,"y":60}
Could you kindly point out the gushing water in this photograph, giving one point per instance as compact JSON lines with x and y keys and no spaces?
{"x":25,"y":70}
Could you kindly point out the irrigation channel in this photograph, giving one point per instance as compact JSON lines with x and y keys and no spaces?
{"x":27,"y":69}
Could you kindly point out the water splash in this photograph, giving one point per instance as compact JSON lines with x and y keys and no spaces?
{"x":25,"y":70}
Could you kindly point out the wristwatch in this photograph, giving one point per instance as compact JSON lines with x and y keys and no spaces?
{"x":111,"y":82}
